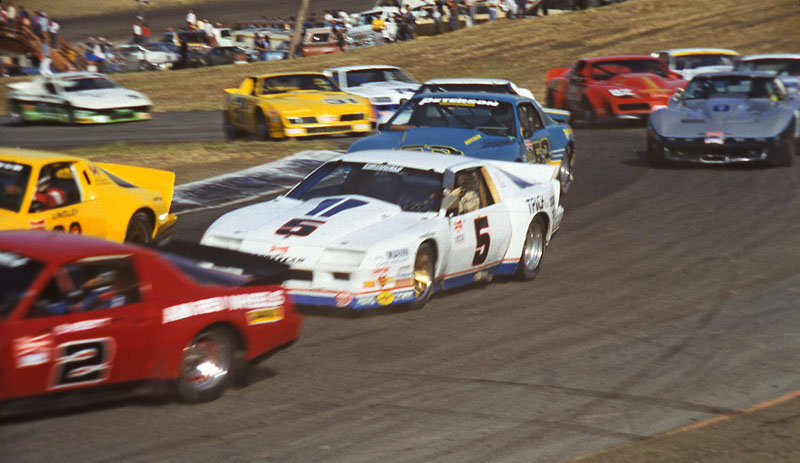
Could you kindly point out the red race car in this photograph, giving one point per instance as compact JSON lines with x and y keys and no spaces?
{"x":603,"y":89}
{"x":79,"y":312}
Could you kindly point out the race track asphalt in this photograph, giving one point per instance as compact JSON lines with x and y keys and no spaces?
{"x":667,"y":299}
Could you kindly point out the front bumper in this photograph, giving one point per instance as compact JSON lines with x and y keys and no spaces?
{"x":731,"y":151}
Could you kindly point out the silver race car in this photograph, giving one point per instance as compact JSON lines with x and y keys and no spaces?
{"x":732,"y":117}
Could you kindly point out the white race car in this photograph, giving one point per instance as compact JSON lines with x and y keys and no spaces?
{"x":382,"y":227}
{"x":78,"y":97}
{"x":689,"y":62}
{"x":386,"y":87}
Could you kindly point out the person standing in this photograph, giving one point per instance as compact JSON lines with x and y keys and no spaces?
{"x":54,"y":28}
{"x":191,"y":20}
{"x":521,"y":7}
{"x":452,"y":8}
{"x":471,"y":8}
{"x":44,"y":62}
{"x":137,"y":32}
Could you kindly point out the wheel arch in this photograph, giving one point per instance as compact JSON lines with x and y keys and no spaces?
{"x":226,"y":327}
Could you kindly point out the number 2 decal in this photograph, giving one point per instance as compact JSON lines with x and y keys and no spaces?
{"x":83,"y":362}
{"x":481,"y":240}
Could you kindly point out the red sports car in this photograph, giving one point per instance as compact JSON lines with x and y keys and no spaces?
{"x":612,"y":87}
{"x":79,"y":312}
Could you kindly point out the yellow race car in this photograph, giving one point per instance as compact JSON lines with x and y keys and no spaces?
{"x":296,"y":104}
{"x":51,"y":191}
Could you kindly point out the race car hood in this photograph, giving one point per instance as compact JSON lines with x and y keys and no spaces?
{"x":265,"y":228}
{"x":441,"y":140}
{"x":735,"y":116}
{"x":108,"y":98}
{"x":313,"y":102}
{"x":645,"y":84}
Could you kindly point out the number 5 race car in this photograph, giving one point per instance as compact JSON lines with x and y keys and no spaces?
{"x":50,"y":191}
{"x":78,"y":312}
{"x":382,"y":227}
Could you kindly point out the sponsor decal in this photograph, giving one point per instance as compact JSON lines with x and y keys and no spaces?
{"x":715,"y":138}
{"x":262,"y":300}
{"x":260,"y":316}
{"x":37,"y":225}
{"x":33,"y":350}
{"x":535,"y":204}
{"x":383,"y":168}
{"x":66,"y":213}
{"x":472,"y":139}
{"x":11,"y":260}
{"x":458,"y":231}
{"x":397,"y":254}
{"x":385,"y":298}
{"x":10,"y":166}
{"x":280,"y":249}
{"x":81,"y":326}
{"x":458,"y":101}
{"x":369,"y":284}
{"x":343,"y":299}
{"x":404,"y":282}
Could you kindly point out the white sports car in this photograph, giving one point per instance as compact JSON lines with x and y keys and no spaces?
{"x":78,"y":97}
{"x":382,"y":227}
{"x":386,"y":87}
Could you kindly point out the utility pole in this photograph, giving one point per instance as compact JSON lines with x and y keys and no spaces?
{"x":297,"y":37}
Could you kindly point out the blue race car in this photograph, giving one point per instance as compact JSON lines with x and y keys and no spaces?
{"x":480,"y":125}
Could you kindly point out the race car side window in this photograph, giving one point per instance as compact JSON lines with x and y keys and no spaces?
{"x":472,"y":191}
{"x":56,"y":187}
{"x":529,"y":119}
{"x":50,"y":88}
{"x":85,"y":285}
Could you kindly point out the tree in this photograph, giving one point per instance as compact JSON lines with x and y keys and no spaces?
{"x":297,"y":38}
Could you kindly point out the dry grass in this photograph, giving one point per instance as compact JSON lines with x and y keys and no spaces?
{"x":520,"y":50}
{"x":194,"y":161}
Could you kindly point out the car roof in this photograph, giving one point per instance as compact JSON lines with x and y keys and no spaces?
{"x":466,"y":80}
{"x":692,"y":51}
{"x":28,"y":156}
{"x":596,"y":59}
{"x":751,"y":74}
{"x":297,"y":73}
{"x":411,"y":159}
{"x":361,"y":67}
{"x":505,"y":97}
{"x":771,"y":56}
{"x":51,"y":246}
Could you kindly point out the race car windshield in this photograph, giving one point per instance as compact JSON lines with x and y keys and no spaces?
{"x":608,"y":69}
{"x":489,"y":116}
{"x":466,"y":87}
{"x":696,"y":61}
{"x":204,"y":275}
{"x":283,"y":84}
{"x":17,"y":273}
{"x":366,"y":76}
{"x":790,"y":67}
{"x":412,"y":189}
{"x":92,"y":83}
{"x":701,"y":88}
{"x":13,"y":181}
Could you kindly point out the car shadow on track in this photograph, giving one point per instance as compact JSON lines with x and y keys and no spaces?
{"x":641,"y":161}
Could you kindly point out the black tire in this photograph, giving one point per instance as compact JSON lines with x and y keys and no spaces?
{"x":231,"y":132}
{"x":655,"y":153}
{"x":783,"y":156}
{"x":262,"y":127}
{"x":424,"y":266}
{"x":566,"y":173}
{"x":216,"y":352}
{"x":70,"y":115}
{"x":532,"y":250}
{"x":140,"y":229}
{"x":589,"y":117}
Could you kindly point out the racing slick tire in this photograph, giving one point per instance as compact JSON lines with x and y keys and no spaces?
{"x":17,"y":118}
{"x":262,"y":127}
{"x":589,"y":117}
{"x":783,"y":155}
{"x":423,"y":276}
{"x":230,"y":131}
{"x":532,"y":251}
{"x":207,"y":366}
{"x":655,"y":153}
{"x":566,"y":172}
{"x":140,"y":230}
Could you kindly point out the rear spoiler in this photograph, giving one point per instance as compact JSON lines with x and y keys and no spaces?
{"x":559,"y":115}
{"x":261,"y":270}
{"x":553,"y":73}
